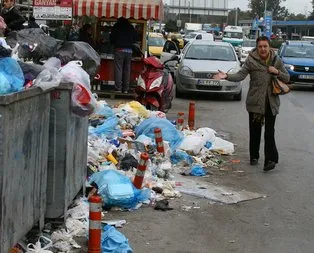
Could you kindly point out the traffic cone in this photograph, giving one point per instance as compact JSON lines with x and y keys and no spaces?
{"x":159,"y":141}
{"x":140,"y":173}
{"x":192,"y":116}
{"x":95,"y":207}
{"x":180,"y":120}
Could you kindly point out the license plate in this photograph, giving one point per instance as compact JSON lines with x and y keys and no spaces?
{"x":209,"y":82}
{"x":306,"y":77}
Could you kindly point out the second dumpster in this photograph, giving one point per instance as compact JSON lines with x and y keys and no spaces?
{"x":67,"y":152}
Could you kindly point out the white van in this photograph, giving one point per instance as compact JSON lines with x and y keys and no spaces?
{"x":198,"y":36}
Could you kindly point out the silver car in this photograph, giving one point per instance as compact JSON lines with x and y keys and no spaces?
{"x":200,"y":60}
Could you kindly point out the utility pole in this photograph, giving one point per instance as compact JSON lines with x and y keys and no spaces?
{"x":236,"y":17}
{"x":190,"y":10}
{"x":265,"y":8}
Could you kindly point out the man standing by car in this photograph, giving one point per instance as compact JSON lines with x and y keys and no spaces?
{"x":122,"y":36}
{"x":12,"y":17}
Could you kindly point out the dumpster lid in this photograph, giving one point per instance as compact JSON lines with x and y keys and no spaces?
{"x":20,"y":95}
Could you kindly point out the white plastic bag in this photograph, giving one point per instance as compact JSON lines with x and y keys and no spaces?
{"x":48,"y":78}
{"x":53,"y":62}
{"x":207,"y":134}
{"x":192,"y":144}
{"x":73,"y":72}
{"x":36,"y":248}
{"x":223,"y":146}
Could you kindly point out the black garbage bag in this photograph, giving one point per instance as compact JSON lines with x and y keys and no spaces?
{"x":79,"y":50}
{"x":5,"y":52}
{"x":128,"y":162}
{"x":31,"y":69}
{"x":35,"y":44}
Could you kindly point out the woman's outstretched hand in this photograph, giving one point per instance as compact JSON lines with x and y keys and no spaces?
{"x":220,"y":75}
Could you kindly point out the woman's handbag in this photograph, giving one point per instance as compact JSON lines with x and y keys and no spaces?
{"x":279,"y":87}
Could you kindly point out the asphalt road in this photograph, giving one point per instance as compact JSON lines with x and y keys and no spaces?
{"x":282,"y":222}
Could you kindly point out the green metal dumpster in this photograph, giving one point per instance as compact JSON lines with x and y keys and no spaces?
{"x":24,"y":125}
{"x":67,"y":157}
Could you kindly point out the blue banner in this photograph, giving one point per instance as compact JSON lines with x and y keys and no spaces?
{"x":268,"y":19}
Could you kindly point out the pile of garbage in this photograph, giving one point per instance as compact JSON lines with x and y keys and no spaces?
{"x":30,"y":58}
{"x":119,"y":135}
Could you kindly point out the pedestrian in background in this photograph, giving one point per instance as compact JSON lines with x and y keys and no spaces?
{"x":86,"y":34}
{"x":12,"y":17}
{"x":261,"y":103}
{"x":122,"y":36}
{"x":172,"y":45}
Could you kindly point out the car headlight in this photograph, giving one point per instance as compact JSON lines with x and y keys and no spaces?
{"x":156,"y":83}
{"x":186,"y":71}
{"x":289,"y":66}
{"x":244,"y":52}
{"x":141,"y":82}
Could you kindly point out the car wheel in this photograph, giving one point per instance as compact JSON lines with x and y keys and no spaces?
{"x":179,"y":94}
{"x":238,"y":97}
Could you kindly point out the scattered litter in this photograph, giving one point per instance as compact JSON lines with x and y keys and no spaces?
{"x":162,"y":205}
{"x":113,"y":241}
{"x":198,"y":171}
{"x":116,"y":223}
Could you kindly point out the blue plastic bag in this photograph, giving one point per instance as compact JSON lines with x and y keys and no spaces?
{"x":108,"y":128}
{"x":112,"y":241}
{"x":180,"y":156}
{"x":197,"y":171}
{"x":169,"y":131}
{"x":117,"y":189}
{"x":104,"y":110}
{"x":11,"y":74}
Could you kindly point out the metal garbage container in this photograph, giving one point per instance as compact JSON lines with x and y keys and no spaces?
{"x":24,"y":125}
{"x":67,"y":157}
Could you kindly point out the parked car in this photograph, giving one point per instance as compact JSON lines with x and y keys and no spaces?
{"x":156,"y":43}
{"x":200,"y":60}
{"x":298,"y":58}
{"x":246,"y":47}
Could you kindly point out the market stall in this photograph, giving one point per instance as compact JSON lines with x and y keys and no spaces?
{"x":139,"y":12}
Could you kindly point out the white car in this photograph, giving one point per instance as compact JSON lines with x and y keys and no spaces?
{"x":247,"y":47}
{"x":202,"y":59}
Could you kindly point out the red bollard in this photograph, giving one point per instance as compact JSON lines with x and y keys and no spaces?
{"x":141,"y":168}
{"x":95,"y":207}
{"x":159,"y":141}
{"x":180,"y":120}
{"x":192,"y":115}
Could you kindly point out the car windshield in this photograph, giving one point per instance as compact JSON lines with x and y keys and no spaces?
{"x":210,"y":52}
{"x":156,"y":41}
{"x":300,"y":51}
{"x":235,"y":35}
{"x":249,"y":43}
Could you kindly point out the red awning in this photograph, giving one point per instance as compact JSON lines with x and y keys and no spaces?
{"x":137,"y":9}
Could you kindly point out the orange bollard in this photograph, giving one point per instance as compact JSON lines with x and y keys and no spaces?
{"x":159,"y":141}
{"x":95,"y":207}
{"x":141,"y":168}
{"x":192,"y":115}
{"x":180,"y":120}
